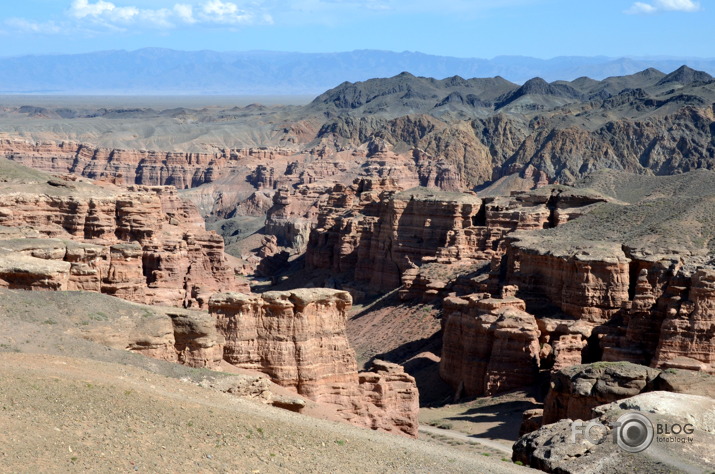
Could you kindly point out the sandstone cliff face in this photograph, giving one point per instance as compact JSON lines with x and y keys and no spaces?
{"x":659,"y":311}
{"x":381,"y":238}
{"x":583,"y":285}
{"x":384,"y":236}
{"x":686,"y":336}
{"x":298,"y":338}
{"x":143,"y":244}
{"x":388,"y":400}
{"x":181,"y":170}
{"x":489,"y":345}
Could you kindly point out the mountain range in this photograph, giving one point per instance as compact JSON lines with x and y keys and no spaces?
{"x":165,"y":72}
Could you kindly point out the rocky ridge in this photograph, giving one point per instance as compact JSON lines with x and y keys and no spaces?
{"x":143,"y":244}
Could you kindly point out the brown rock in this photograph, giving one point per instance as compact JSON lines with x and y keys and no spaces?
{"x":298,"y":338}
{"x":576,"y":390}
{"x":489,"y":345}
{"x":688,"y":331}
{"x":143,"y":244}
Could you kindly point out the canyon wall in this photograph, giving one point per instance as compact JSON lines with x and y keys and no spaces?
{"x":489,"y":345}
{"x":298,"y":338}
{"x":152,"y":168}
{"x":143,"y":244}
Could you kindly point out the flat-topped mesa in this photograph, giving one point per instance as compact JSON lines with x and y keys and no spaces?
{"x":588,"y":282}
{"x":180,"y":169}
{"x":489,"y":345}
{"x":143,"y":244}
{"x":298,"y":338}
{"x":380,"y":234}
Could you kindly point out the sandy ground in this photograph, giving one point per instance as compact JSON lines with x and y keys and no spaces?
{"x":62,"y":414}
{"x":491,"y":421}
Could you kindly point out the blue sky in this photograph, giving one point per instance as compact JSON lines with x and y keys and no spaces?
{"x":463,"y":28}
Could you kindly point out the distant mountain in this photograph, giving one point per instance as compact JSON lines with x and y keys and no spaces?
{"x":165,"y":71}
{"x":457,"y":98}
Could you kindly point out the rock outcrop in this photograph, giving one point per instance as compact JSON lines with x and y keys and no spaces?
{"x":143,"y":244}
{"x":298,"y":338}
{"x":382,"y":235}
{"x":577,"y":390}
{"x":174,"y":335}
{"x":152,"y":168}
{"x":553,"y":448}
{"x":489,"y":345}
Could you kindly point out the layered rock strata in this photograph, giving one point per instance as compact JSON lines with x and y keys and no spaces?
{"x":298,"y":338}
{"x":383,"y":235}
{"x":153,"y":168}
{"x":489,"y":345}
{"x":143,"y":244}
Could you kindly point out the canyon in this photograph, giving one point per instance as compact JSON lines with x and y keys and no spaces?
{"x":554,"y":236}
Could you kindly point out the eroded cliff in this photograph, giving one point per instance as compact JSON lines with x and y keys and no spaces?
{"x":143,"y":244}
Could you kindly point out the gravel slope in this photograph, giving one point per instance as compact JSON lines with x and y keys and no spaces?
{"x":71,"y":414}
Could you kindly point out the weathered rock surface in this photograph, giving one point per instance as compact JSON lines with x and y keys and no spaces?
{"x":384,"y":236}
{"x":298,"y":338}
{"x":143,"y":244}
{"x":175,"y":335}
{"x":576,"y":390}
{"x":552,"y":448}
{"x":489,"y":345}
{"x":152,"y":168}
{"x":589,"y":284}
{"x":388,"y":400}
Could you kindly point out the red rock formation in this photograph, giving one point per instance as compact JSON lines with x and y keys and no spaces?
{"x":686,"y":337}
{"x":182,"y":170}
{"x":489,"y":345}
{"x":387,"y":401}
{"x":144,"y":244}
{"x":380,"y":234}
{"x":589,"y":283}
{"x":275,"y":332}
{"x":298,"y":338}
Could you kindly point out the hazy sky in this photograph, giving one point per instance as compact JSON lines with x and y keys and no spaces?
{"x":464,"y":28}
